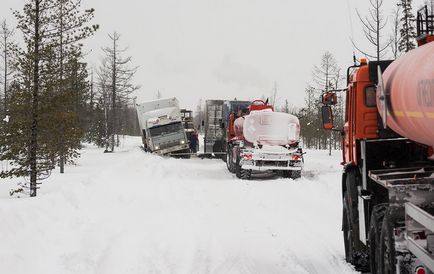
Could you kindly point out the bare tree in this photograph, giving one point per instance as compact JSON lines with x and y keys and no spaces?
{"x":6,"y":35}
{"x":116,"y":83}
{"x":373,"y":25}
{"x":395,"y":37}
{"x":325,"y":75}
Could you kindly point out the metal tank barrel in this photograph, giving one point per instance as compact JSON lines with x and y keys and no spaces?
{"x":409,"y":95}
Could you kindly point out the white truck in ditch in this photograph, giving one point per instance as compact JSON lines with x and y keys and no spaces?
{"x":161,"y":127}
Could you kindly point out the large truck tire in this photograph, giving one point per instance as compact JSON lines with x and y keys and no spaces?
{"x":293,"y":174}
{"x":243,"y":174}
{"x":387,"y":260}
{"x":354,"y":254}
{"x":375,"y":228}
{"x":230,"y":164}
{"x":347,"y":227}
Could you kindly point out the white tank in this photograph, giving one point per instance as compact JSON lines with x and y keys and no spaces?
{"x":266,"y":127}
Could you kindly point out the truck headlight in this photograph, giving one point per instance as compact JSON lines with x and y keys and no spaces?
{"x":182,"y":142}
{"x":157,"y":147}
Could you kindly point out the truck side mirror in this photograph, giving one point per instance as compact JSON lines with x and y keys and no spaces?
{"x":327,"y":117}
{"x":329,"y":98}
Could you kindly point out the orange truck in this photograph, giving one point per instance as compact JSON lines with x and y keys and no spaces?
{"x":388,"y":162}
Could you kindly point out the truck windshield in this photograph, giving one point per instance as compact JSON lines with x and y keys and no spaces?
{"x":166,"y":129}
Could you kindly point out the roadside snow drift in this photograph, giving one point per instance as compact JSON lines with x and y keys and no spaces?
{"x":131,"y":212}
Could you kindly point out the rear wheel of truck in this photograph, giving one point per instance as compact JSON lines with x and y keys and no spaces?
{"x":387,"y":260}
{"x":376,"y":222}
{"x":230,"y":164}
{"x":244,"y":174}
{"x":293,"y":174}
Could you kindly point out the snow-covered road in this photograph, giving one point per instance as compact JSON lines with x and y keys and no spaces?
{"x":131,"y":212}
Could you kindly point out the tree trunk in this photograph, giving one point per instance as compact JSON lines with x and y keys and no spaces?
{"x":62,"y":131}
{"x":35,"y":103}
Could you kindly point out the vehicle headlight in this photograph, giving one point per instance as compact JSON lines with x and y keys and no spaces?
{"x":182,"y":142}
{"x":157,"y":147}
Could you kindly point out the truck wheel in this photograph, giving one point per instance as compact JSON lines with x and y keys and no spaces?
{"x":243,"y":174}
{"x":284,"y":173}
{"x":353,"y":253}
{"x":377,"y":217}
{"x":229,"y":160}
{"x":387,"y":262}
{"x":295,"y":174}
{"x":347,"y":227}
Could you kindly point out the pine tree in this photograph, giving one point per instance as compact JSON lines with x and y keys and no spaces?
{"x":20,"y":139}
{"x":70,"y":27}
{"x":408,"y":30}
{"x":38,"y":109}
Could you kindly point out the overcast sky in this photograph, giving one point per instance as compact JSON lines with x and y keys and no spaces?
{"x":222,"y":49}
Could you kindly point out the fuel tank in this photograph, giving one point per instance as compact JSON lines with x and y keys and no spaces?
{"x":266,"y":127}
{"x":409,"y":95}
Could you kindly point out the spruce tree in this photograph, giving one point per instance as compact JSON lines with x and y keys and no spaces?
{"x":408,"y":30}
{"x":70,"y":27}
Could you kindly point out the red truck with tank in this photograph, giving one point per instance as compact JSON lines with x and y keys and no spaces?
{"x":262,"y":140}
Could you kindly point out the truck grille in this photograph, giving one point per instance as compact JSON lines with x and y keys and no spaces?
{"x":167,"y":145}
{"x":261,"y":163}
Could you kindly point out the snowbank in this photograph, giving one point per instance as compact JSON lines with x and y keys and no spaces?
{"x":131,"y":212}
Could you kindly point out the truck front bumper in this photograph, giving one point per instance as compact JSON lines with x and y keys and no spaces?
{"x":264,"y":165}
{"x":271,"y":158}
{"x":172,"y":150}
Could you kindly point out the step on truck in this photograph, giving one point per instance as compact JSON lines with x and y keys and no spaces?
{"x":162,"y":128}
{"x":388,"y":159}
{"x":261,"y":140}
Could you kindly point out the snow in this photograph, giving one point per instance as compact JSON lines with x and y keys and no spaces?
{"x":131,"y":212}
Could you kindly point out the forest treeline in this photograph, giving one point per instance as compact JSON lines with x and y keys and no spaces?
{"x":51,"y":99}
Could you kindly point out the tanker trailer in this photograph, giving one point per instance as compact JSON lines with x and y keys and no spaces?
{"x":388,"y":174}
{"x":265,"y":141}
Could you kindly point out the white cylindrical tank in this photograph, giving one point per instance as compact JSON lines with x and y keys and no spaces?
{"x":266,"y":127}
